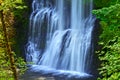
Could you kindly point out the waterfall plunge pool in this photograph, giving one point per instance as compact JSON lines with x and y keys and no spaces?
{"x":39,"y":72}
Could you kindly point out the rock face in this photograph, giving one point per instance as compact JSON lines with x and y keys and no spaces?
{"x":95,"y":38}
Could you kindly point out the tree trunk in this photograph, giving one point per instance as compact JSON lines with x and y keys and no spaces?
{"x":9,"y":51}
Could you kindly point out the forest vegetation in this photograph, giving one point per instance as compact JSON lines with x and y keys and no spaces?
{"x":11,"y":20}
{"x":108,"y":12}
{"x":14,"y":17}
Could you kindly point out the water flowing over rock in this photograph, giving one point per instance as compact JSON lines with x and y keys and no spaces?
{"x":60,"y":35}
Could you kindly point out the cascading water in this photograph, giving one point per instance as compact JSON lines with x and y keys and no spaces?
{"x":60,"y":35}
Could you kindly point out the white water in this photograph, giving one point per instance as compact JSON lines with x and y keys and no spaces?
{"x":60,"y":35}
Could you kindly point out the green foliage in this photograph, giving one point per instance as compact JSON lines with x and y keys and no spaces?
{"x":11,"y":4}
{"x":10,"y":8}
{"x":110,"y":41}
{"x":109,"y":55}
{"x":5,"y":70}
{"x":109,"y":21}
{"x":21,"y":65}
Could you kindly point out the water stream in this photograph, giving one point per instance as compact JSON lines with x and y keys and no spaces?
{"x":60,"y":35}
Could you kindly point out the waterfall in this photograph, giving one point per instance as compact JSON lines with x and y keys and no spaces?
{"x":60,"y":35}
